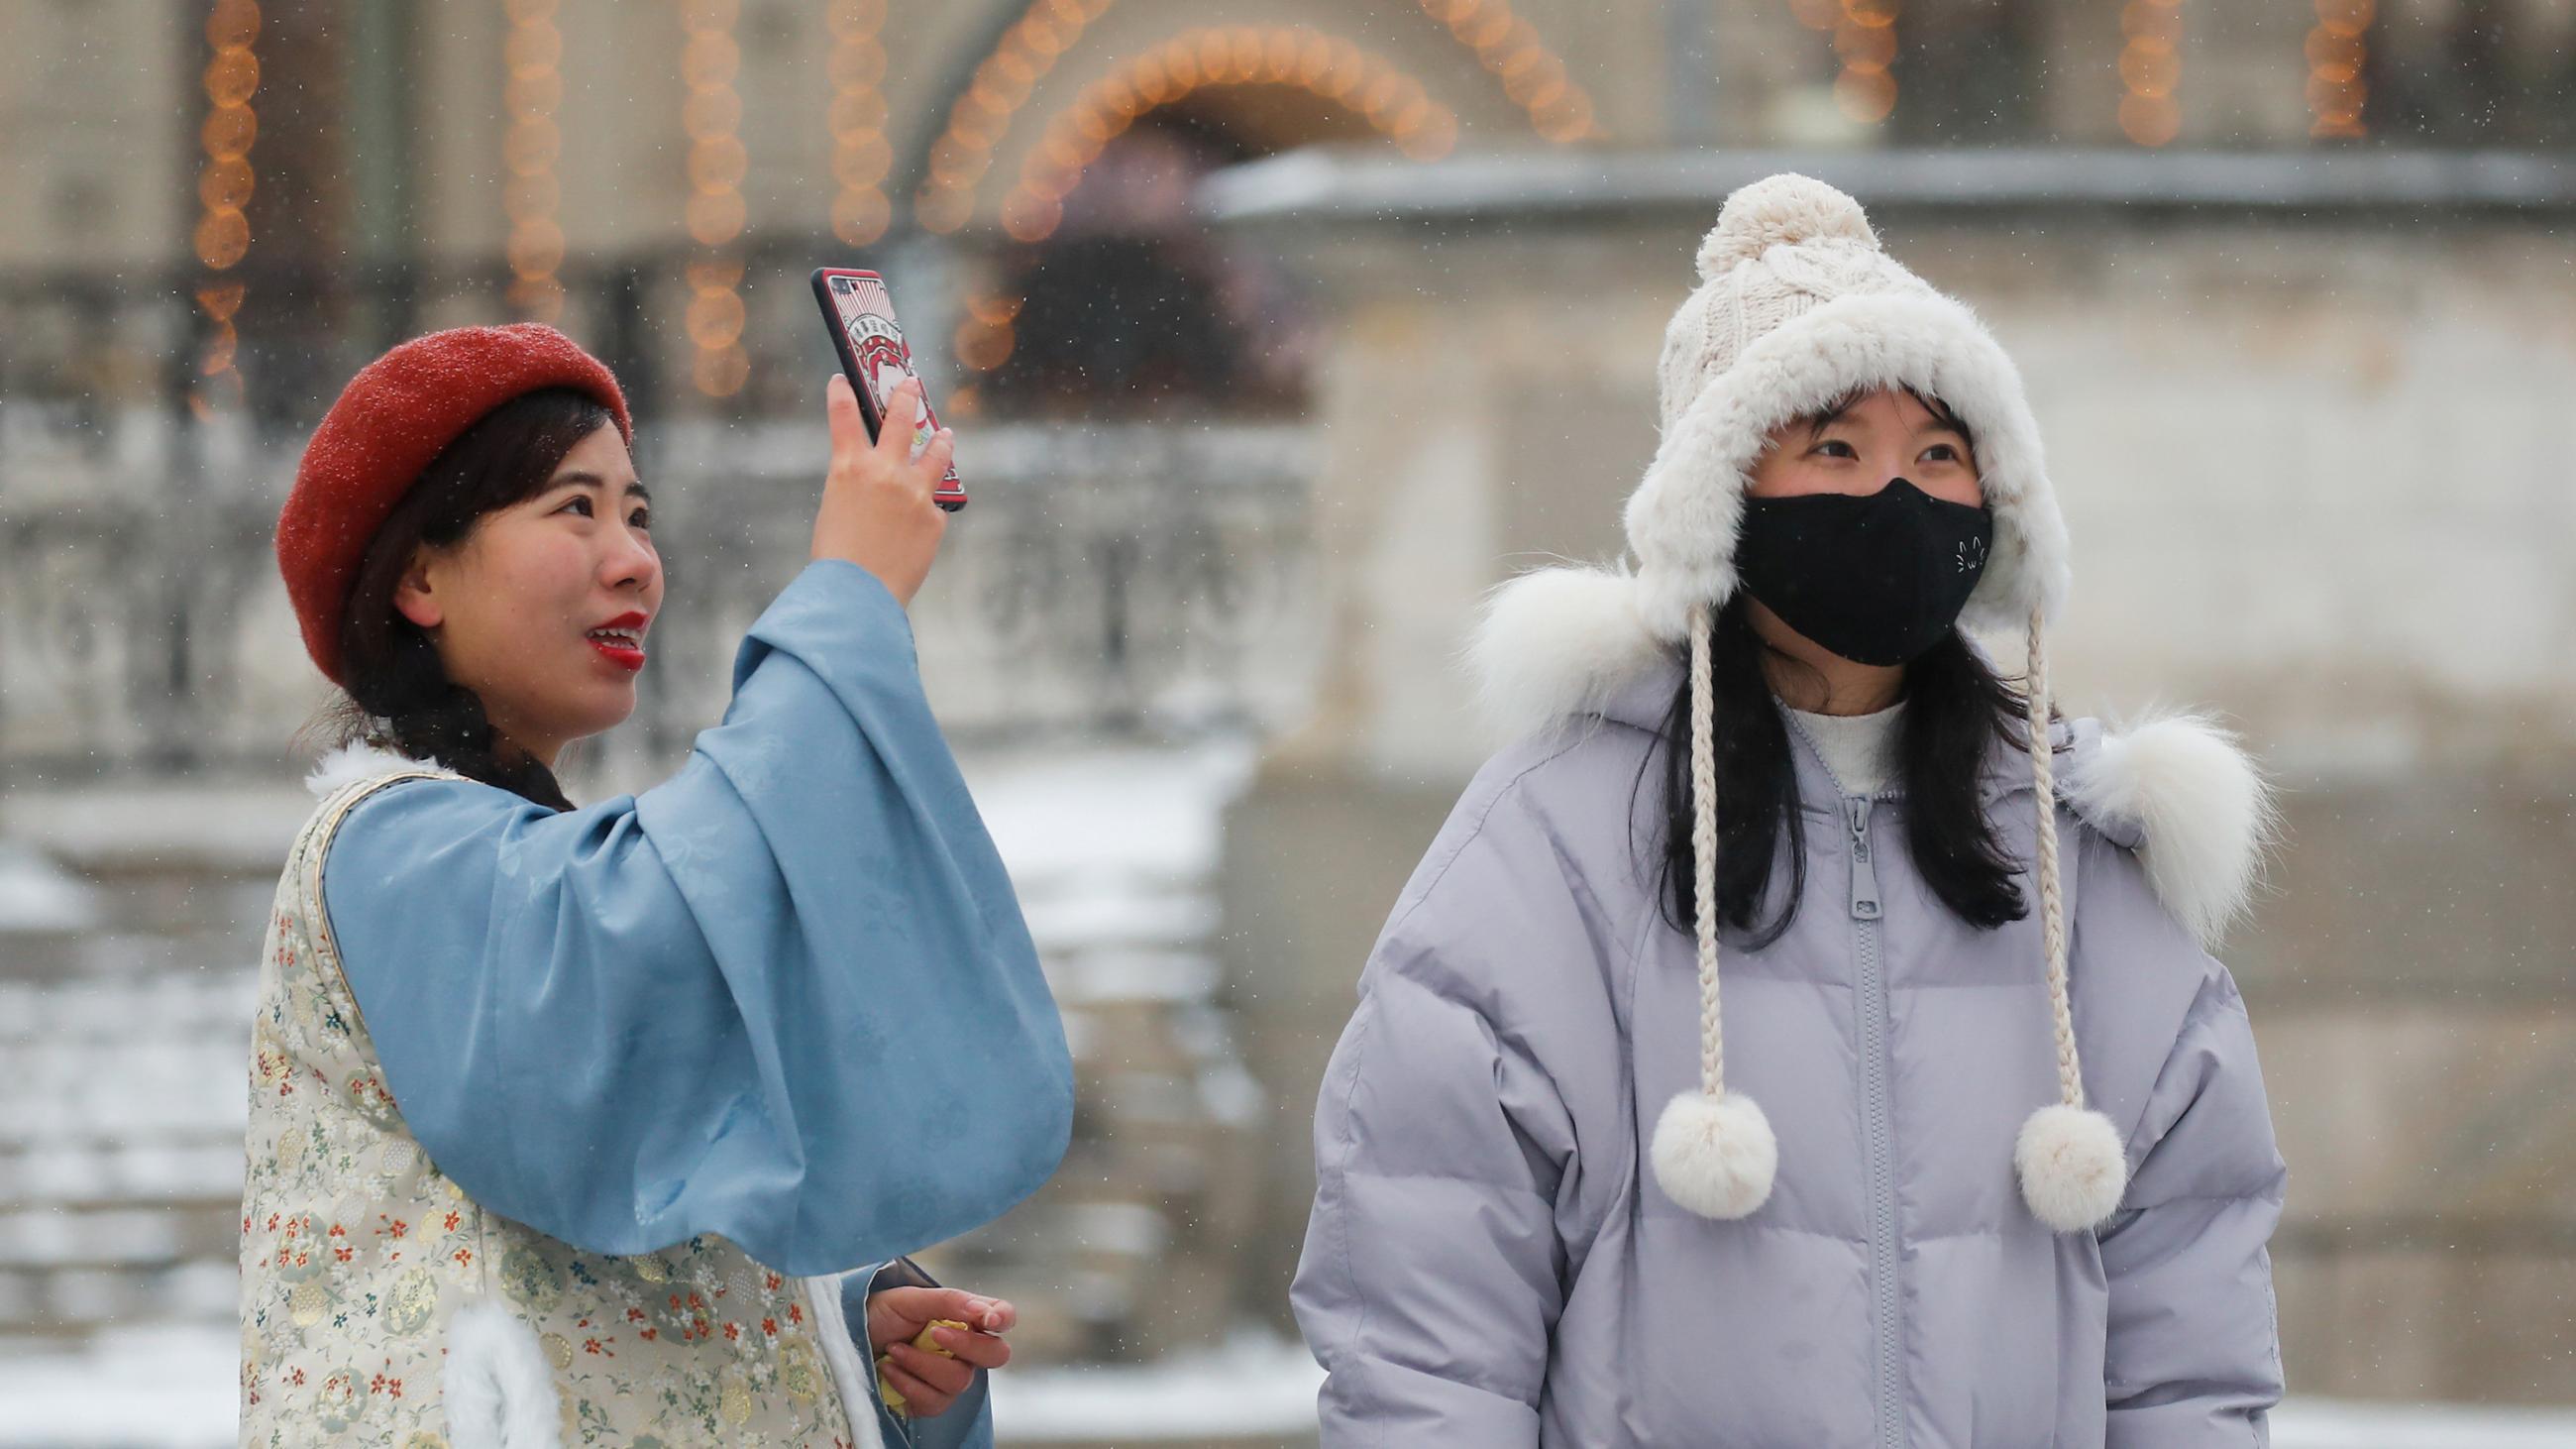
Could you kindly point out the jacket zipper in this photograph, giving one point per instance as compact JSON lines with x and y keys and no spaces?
{"x":1887,"y":1301}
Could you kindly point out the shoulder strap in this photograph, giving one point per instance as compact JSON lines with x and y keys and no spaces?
{"x":312,"y":848}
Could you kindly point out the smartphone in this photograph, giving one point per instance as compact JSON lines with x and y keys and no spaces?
{"x":860,"y":313}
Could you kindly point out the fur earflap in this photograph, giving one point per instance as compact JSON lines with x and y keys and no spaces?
{"x":1553,"y":643}
{"x":499,"y":1394}
{"x":357,"y":761}
{"x":2201,"y":812}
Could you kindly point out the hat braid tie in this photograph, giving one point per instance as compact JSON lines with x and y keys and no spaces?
{"x":1713,"y":1153}
{"x":2074,"y":1168}
{"x":2052,"y":902}
{"x":1712,"y":1050}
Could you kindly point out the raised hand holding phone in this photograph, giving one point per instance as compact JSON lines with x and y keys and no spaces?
{"x":859,"y":311}
{"x":878,"y":508}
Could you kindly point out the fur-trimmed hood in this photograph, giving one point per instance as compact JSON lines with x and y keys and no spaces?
{"x":1560,"y":646}
{"x":1798,"y":305}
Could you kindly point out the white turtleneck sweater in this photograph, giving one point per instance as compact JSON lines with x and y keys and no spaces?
{"x":1860,"y":749}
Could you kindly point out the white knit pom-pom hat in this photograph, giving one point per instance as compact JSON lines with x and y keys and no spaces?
{"x":1798,"y":306}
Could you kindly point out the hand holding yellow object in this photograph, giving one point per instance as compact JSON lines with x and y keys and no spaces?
{"x":930,"y":1343}
{"x":924,"y":1341}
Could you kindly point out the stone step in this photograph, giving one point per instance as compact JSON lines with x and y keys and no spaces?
{"x":122,"y":1238}
{"x":74,"y":1302}
{"x":195,"y":1168}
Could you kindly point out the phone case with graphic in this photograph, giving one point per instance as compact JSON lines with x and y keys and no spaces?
{"x":860,"y":312}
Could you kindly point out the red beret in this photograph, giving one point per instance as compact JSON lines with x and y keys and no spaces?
{"x":391,"y":422}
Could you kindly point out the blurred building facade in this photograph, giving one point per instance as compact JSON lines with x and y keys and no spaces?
{"x":1277,"y":331}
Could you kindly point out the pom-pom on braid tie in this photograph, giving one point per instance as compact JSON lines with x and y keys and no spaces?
{"x":1713,"y":1153}
{"x":2073,"y":1168}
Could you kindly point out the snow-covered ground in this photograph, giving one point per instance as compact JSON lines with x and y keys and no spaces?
{"x":173,"y":1389}
{"x":38,"y":895}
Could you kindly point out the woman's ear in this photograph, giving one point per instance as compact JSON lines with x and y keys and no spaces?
{"x":413,"y":596}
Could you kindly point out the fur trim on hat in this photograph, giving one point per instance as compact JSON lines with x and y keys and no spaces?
{"x":357,"y":761}
{"x":497,"y":1390}
{"x":2199,"y":811}
{"x":1553,"y":643}
{"x":1682,"y":520}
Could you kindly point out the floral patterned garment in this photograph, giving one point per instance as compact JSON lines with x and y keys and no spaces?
{"x":357,"y":1255}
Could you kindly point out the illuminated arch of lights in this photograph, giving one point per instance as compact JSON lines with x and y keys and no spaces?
{"x":1392,"y":102}
{"x":530,"y":193}
{"x":1531,"y":75}
{"x":224,"y":185}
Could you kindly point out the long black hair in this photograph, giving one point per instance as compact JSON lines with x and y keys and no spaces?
{"x":398,"y":693}
{"x":1956,"y":707}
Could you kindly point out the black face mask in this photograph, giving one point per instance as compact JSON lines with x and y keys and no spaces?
{"x":1876,"y":579}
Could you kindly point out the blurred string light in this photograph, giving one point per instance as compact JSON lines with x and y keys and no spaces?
{"x":1864,"y":34}
{"x":2150,"y":69}
{"x":1392,"y":102}
{"x":712,"y":115}
{"x":861,"y":155}
{"x":1003,"y":81}
{"x":985,"y":338}
{"x":530,"y":193}
{"x":1001,"y":84}
{"x":2336,"y":49}
{"x":224,"y":185}
{"x":1532,"y":76}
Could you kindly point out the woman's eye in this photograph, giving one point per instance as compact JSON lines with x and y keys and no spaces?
{"x":1942,"y":452}
{"x":642,"y":519}
{"x":577,"y":503}
{"x":1828,"y":445}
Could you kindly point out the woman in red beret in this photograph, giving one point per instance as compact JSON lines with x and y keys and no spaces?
{"x":611,"y":1123}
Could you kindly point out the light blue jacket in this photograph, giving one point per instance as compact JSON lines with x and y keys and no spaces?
{"x":1490,"y":1262}
{"x":785,"y":997}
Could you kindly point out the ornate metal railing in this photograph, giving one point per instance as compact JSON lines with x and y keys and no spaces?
{"x":1133,"y":580}
{"x":1126,"y":577}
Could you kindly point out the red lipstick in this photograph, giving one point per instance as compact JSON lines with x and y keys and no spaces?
{"x":620,"y":641}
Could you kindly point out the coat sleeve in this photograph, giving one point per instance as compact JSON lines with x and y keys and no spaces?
{"x":786,"y":996}
{"x":968,"y":1424}
{"x":2193,"y":1357}
{"x":1435,"y":1264}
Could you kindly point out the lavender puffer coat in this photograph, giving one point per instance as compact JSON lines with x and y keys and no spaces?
{"x":1490,"y":1262}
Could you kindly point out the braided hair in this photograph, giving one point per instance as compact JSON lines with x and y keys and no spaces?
{"x":399,"y":695}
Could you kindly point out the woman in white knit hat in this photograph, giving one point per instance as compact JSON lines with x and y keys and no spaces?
{"x":1977,"y":1151}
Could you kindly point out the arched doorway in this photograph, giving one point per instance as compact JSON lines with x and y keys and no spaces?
{"x":1105,"y":289}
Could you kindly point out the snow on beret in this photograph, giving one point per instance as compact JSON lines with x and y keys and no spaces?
{"x":391,"y":422}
